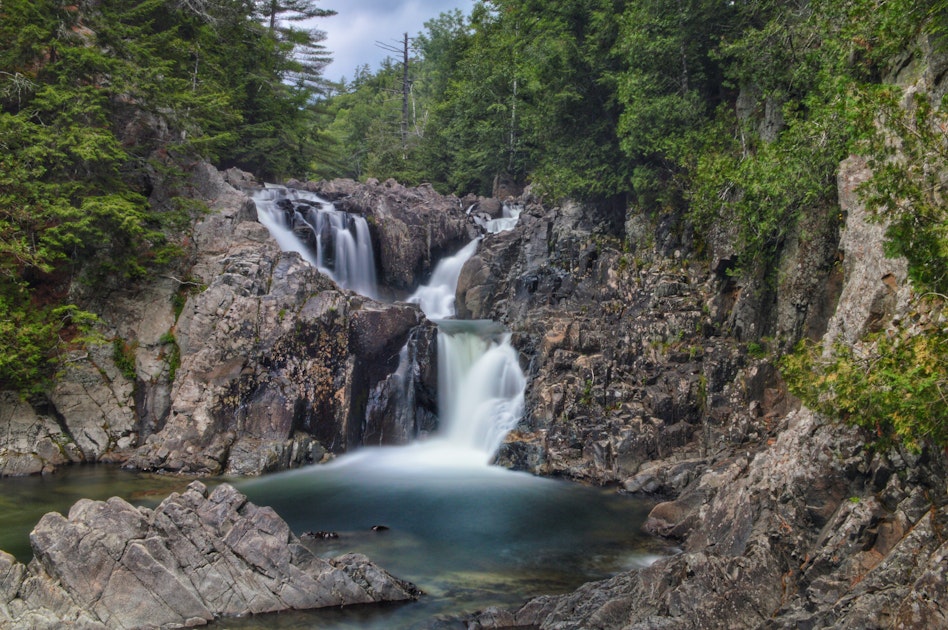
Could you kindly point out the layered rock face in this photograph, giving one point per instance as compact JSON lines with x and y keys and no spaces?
{"x":195,"y":557}
{"x":243,"y":359}
{"x":635,"y":376}
{"x":276,"y":364}
{"x":785,"y":519}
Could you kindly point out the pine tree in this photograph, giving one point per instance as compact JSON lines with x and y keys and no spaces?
{"x":307,"y":57}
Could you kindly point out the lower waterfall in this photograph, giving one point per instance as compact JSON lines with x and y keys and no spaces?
{"x":480,"y":385}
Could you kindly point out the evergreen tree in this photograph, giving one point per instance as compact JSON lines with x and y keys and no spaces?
{"x":94,"y":99}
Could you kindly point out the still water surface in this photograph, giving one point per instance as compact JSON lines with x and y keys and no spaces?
{"x":468,"y":536}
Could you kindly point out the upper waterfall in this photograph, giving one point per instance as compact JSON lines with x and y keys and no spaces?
{"x":508,"y":219}
{"x":335,"y":242}
{"x":437,"y":297}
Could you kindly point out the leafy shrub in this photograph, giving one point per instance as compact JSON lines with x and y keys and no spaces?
{"x":172,"y":355}
{"x":894,"y":385}
{"x":124,"y":356}
{"x":909,"y":162}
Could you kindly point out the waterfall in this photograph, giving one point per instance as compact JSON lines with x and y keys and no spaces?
{"x":335,"y":242}
{"x":480,"y":385}
{"x":507,"y":221}
{"x":437,"y":297}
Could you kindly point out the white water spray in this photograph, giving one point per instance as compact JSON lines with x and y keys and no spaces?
{"x":436,"y":298}
{"x":480,"y":385}
{"x":507,"y":221}
{"x":343,"y":245}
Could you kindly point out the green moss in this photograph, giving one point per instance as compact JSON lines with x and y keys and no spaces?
{"x":172,"y":354}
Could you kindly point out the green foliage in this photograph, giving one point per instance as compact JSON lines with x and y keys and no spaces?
{"x":520,"y":88}
{"x":762,"y":194}
{"x":97,"y":100}
{"x":670,"y":80}
{"x":123,"y":355}
{"x":894,"y":385}
{"x":28,"y":338}
{"x":909,"y":162}
{"x":172,"y":353}
{"x":756,"y":350}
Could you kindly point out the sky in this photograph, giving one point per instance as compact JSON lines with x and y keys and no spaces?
{"x":359,"y":24}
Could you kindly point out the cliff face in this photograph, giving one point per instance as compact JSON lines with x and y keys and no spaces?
{"x":649,"y":372}
{"x":243,"y":360}
{"x":785,"y":520}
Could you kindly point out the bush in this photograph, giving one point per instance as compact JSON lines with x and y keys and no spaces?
{"x":894,"y":384}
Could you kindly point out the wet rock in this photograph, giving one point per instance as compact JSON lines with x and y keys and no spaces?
{"x":412,"y":228}
{"x":194,"y":558}
{"x":784,"y":518}
{"x":276,"y":365}
{"x":775,"y":542}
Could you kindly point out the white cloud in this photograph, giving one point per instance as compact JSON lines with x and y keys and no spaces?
{"x":352,"y":33}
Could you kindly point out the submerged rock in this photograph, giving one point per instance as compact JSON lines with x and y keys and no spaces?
{"x":195,"y":557}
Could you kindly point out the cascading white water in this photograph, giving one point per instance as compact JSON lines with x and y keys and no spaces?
{"x":342,"y":242}
{"x":480,"y":385}
{"x":480,"y":399}
{"x":436,"y":298}
{"x":507,"y":221}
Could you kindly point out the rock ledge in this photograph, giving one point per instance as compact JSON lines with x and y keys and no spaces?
{"x":195,"y":557}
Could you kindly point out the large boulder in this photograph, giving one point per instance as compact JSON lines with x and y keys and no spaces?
{"x":195,"y":557}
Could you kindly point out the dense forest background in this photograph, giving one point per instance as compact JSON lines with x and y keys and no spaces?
{"x":734,"y":113}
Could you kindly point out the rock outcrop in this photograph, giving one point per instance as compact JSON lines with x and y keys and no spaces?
{"x":194,"y":558}
{"x":784,"y":519}
{"x":241,"y":359}
{"x":412,"y":228}
{"x":633,"y":379}
{"x":277,"y":365}
{"x":812,"y":532}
